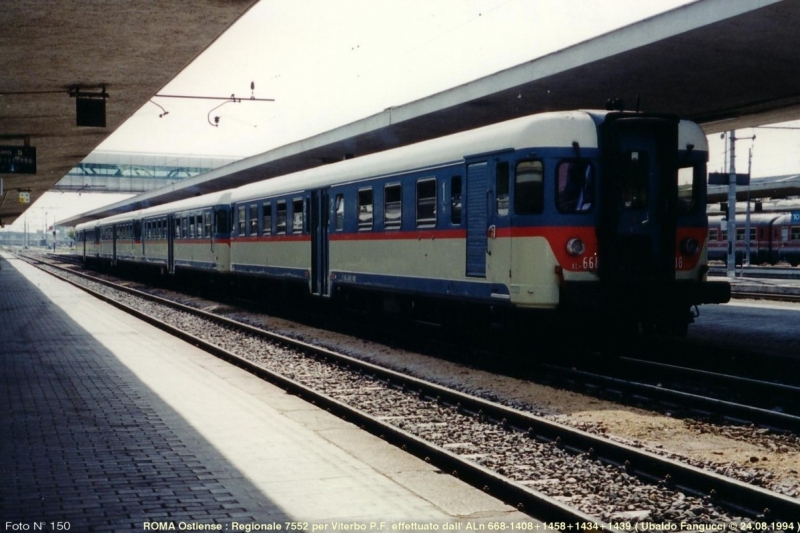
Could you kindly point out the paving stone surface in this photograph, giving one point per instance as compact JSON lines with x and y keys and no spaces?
{"x":108,"y":424}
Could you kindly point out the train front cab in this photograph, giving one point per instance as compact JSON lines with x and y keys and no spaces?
{"x":651,"y":227}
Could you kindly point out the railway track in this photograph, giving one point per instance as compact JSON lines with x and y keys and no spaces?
{"x":557,"y":473}
{"x":690,"y":392}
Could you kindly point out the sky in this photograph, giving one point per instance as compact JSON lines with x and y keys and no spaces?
{"x":327,"y":64}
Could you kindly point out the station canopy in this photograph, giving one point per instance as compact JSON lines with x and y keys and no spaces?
{"x":115,"y":55}
{"x":725,"y":63}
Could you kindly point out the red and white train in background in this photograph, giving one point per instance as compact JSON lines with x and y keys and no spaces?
{"x":591,"y":214}
{"x":774,"y":238}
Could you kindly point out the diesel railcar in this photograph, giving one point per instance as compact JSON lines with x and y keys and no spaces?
{"x":599,"y":215}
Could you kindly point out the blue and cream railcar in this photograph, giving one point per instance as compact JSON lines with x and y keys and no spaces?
{"x":271,"y":234}
{"x":125,"y":231}
{"x":87,"y":237}
{"x":191,"y":234}
{"x":593,"y":212}
{"x":582,"y":210}
{"x":110,"y":240}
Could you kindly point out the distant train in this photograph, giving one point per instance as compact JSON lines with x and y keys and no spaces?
{"x":598,"y":216}
{"x":774,"y":238}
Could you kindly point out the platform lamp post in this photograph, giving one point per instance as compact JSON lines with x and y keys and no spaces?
{"x":731,"y":226}
{"x":747,"y":216}
{"x":732,"y":207}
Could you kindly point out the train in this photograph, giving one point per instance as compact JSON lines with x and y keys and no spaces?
{"x":774,"y":238}
{"x":595,"y":216}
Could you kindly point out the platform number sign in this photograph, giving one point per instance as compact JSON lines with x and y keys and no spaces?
{"x":795,"y":217}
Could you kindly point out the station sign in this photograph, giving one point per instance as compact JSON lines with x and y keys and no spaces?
{"x":24,"y":197}
{"x":723,"y":178}
{"x":795,"y":217}
{"x":17,"y":160}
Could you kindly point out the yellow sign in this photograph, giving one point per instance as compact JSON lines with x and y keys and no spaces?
{"x":24,"y":197}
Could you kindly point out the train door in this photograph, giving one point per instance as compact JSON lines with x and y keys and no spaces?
{"x":637,"y":229}
{"x":319,"y":242}
{"x":477,"y":209}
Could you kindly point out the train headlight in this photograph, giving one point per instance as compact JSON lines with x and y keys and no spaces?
{"x":690,"y":246}
{"x":575,"y":246}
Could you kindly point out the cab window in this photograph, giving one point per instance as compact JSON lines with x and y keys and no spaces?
{"x":689,"y":183}
{"x":574,"y":187}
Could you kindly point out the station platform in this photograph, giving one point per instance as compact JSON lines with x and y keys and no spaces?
{"x":109,"y":424}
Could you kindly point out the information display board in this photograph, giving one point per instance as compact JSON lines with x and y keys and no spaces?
{"x":17,"y":160}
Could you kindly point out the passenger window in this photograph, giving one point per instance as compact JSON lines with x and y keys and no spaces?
{"x":529,"y":188}
{"x":339,"y":212}
{"x":297,"y":216}
{"x":392,"y":206}
{"x":266,"y":222}
{"x":426,"y":203}
{"x":575,"y":187}
{"x":240,"y":220}
{"x":207,"y":224}
{"x":177,"y":234}
{"x":365,"y":209}
{"x":199,"y":226}
{"x":253,"y":219}
{"x":502,"y":189}
{"x":281,"y":220}
{"x":455,"y":200}
{"x":185,"y":228}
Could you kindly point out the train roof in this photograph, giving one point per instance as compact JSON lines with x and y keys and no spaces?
{"x":755,"y":218}
{"x":557,"y":129}
{"x":188,"y":204}
{"x":547,"y":130}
